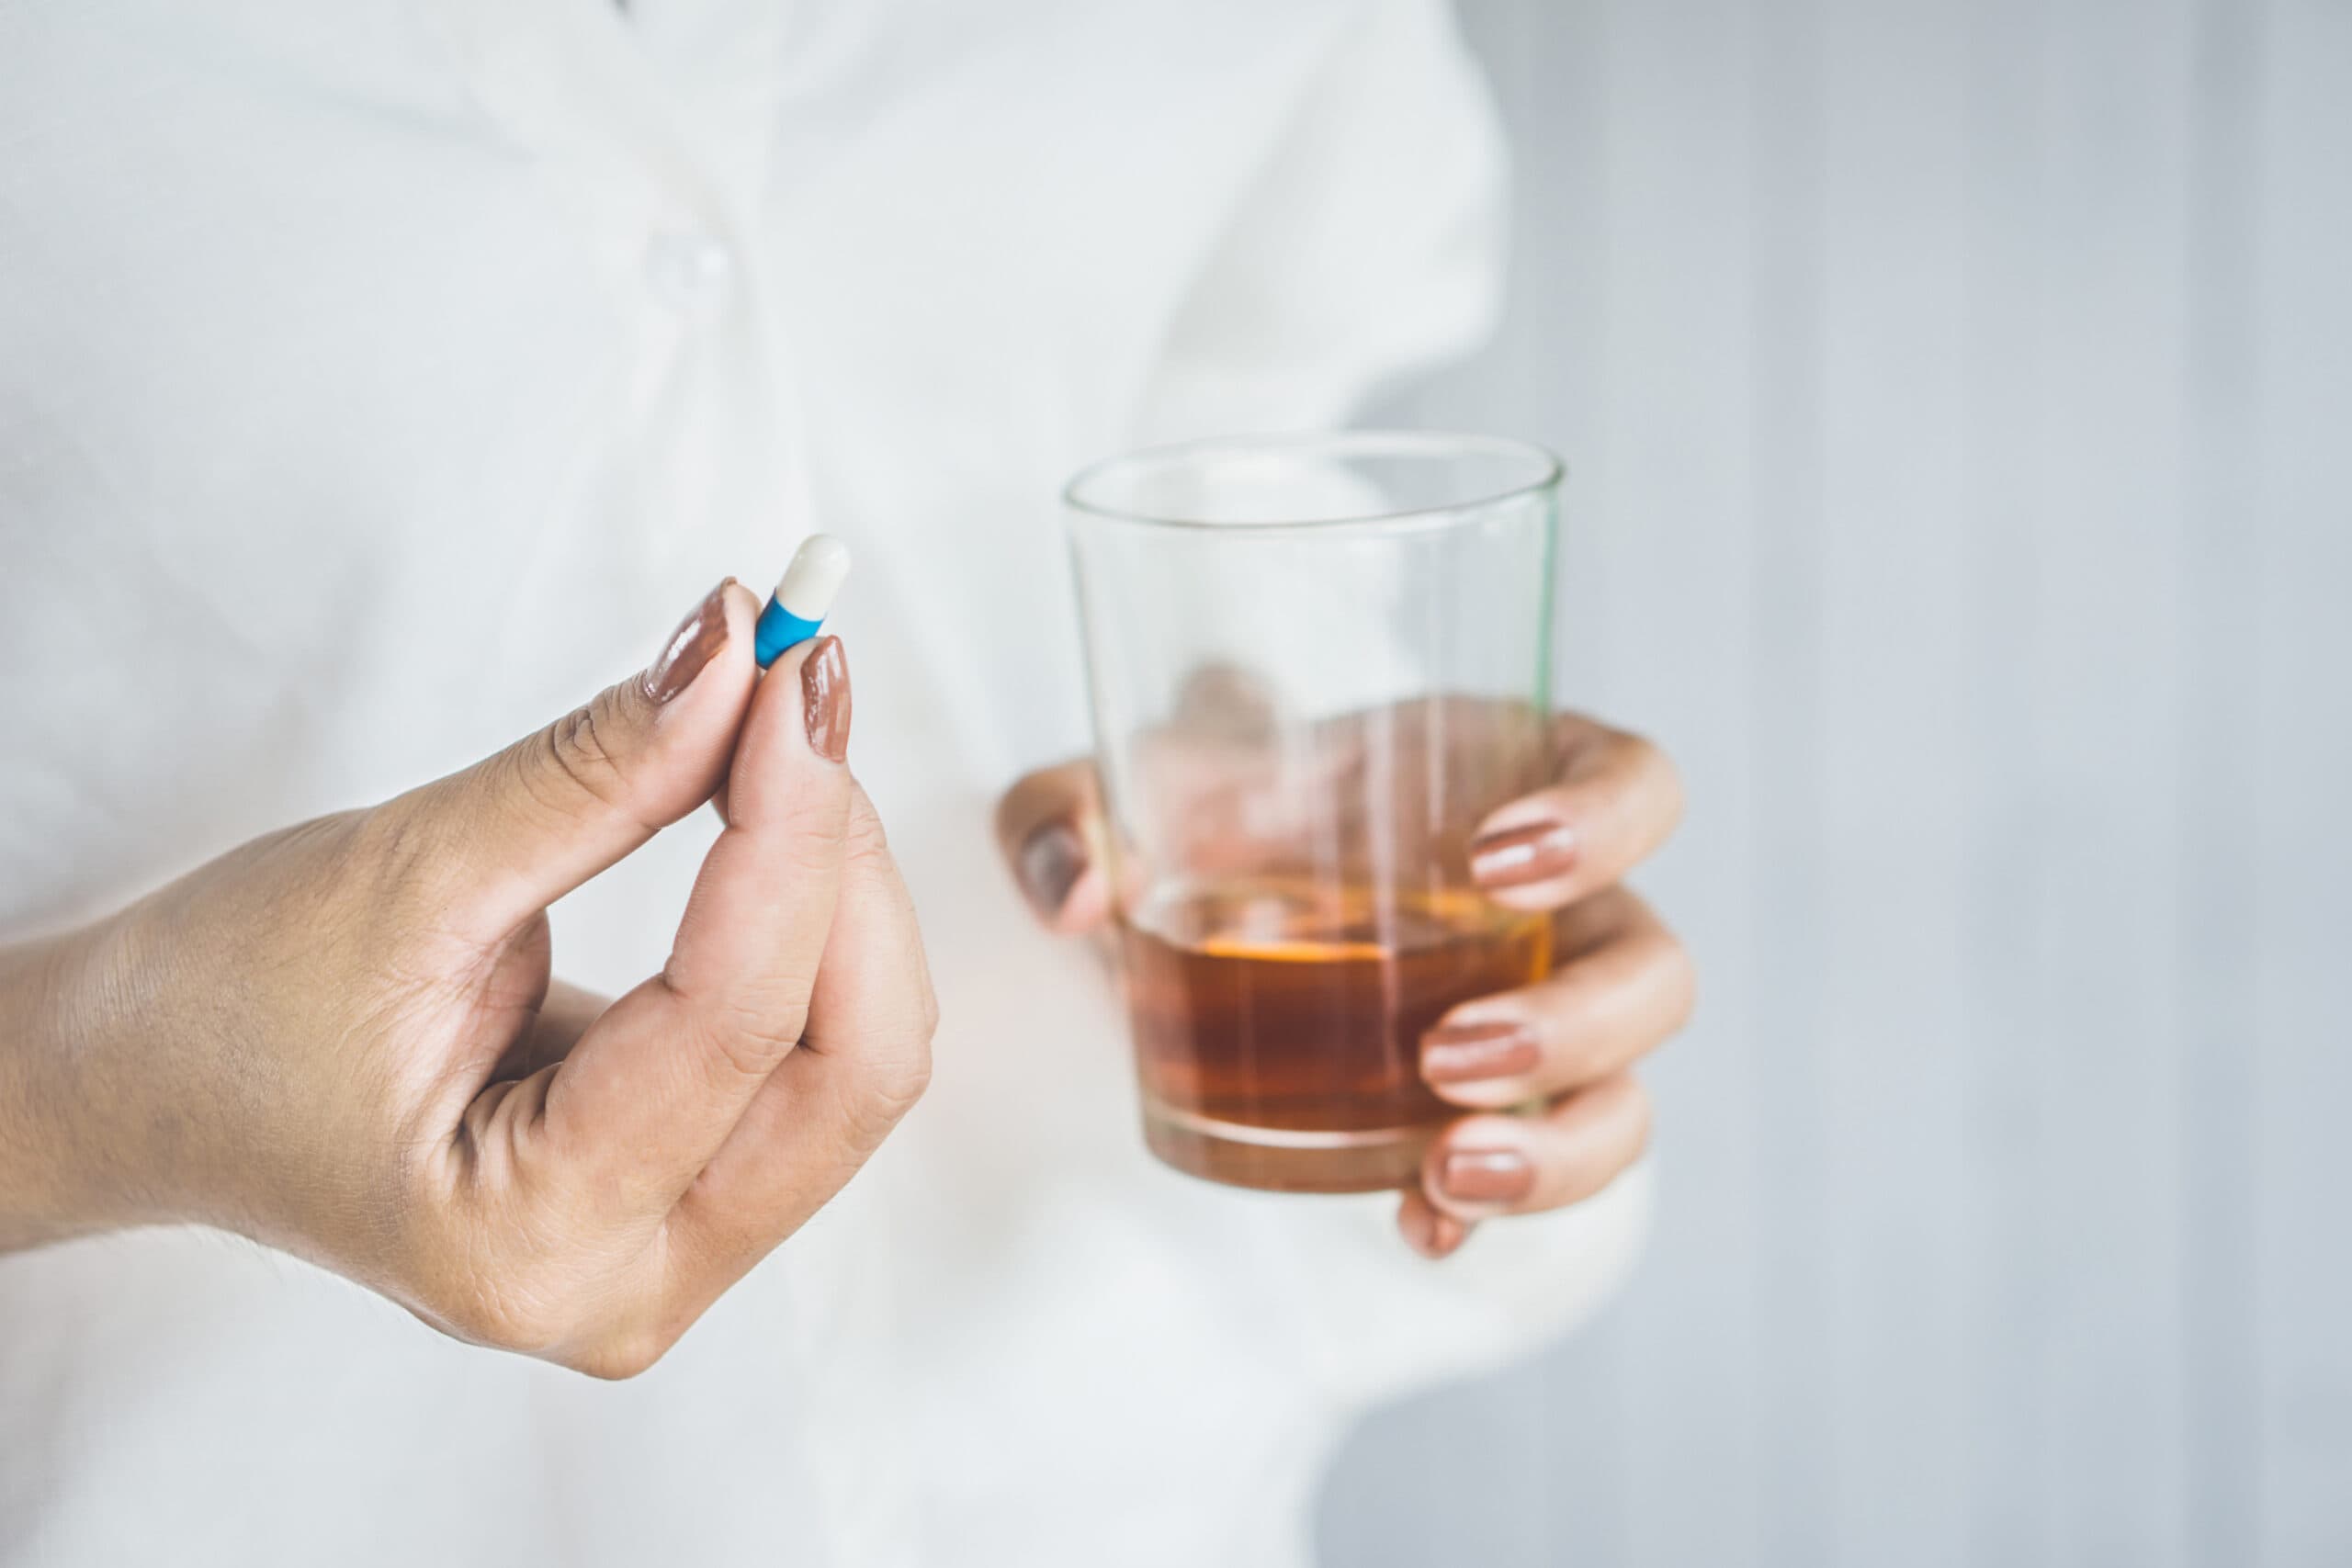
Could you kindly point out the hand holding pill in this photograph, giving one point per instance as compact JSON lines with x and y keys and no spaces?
{"x":354,"y":1028}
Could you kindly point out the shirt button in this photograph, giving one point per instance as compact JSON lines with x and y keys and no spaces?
{"x":692,"y":273}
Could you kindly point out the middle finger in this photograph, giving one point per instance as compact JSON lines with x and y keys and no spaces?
{"x":860,"y":1065}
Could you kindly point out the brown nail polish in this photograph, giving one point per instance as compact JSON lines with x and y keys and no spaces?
{"x":1466,"y":1052}
{"x":1521,"y":855}
{"x":1050,"y":860}
{"x":702,"y":634}
{"x":825,"y":704}
{"x":1485,"y":1176}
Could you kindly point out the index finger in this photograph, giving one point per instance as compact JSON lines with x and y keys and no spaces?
{"x":1616,"y":798}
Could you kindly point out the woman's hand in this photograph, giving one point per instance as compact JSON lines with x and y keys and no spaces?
{"x":342,"y":1039}
{"x":1621,"y":982}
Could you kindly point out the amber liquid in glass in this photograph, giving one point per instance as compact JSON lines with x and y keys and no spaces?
{"x":1278,"y":1024}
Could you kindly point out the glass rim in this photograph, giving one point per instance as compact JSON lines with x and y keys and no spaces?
{"x":1551,"y":471}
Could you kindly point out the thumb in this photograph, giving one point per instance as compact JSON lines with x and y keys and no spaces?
{"x":530,"y":823}
{"x":1049,"y":825}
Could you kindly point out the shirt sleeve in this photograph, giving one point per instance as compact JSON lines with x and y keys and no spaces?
{"x":1373,"y":1321}
{"x":1369,"y":246}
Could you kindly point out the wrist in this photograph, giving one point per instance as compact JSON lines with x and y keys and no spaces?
{"x":63,"y":1174}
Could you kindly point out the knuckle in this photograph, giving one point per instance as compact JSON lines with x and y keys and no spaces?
{"x":1598,"y":922}
{"x":867,"y":840}
{"x":898,"y":1084}
{"x":916,"y":1081}
{"x":398,"y":847}
{"x":750,"y":1036}
{"x":411,"y":865}
{"x":814,"y":844}
{"x":1598,"y":1161}
{"x":889,"y":1086}
{"x":1657,"y":769}
{"x":1640,"y":1116}
{"x":1679,"y":975}
{"x":579,"y":748}
{"x":926,"y":1026}
{"x":326,"y":874}
{"x":620,"y":1355}
{"x":1640,"y":751}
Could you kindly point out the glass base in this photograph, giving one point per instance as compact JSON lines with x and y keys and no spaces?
{"x":1278,"y":1159}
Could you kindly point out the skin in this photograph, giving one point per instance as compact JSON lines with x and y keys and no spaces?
{"x":342,"y":1039}
{"x":1621,"y":982}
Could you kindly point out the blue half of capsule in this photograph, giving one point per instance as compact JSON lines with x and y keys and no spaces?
{"x":778,"y":630}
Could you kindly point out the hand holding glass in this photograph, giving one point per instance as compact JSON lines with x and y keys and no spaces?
{"x":1317,"y":662}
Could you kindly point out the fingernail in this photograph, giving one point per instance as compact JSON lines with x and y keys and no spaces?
{"x":1052,"y":859}
{"x":702,"y":634}
{"x":1521,"y":855}
{"x":824,"y":692}
{"x":1485,"y":1176}
{"x":1466,"y":1053}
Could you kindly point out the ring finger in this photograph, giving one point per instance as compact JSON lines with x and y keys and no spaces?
{"x":1623,"y":984}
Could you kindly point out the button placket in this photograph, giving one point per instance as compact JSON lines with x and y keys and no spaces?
{"x":689,"y":271}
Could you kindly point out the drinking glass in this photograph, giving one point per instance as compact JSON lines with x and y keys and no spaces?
{"x":1315,"y":662}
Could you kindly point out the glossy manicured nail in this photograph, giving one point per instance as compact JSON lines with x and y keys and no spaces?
{"x":702,"y":634}
{"x":1051,"y":859}
{"x":1513,"y":858}
{"x":1467,"y":1052}
{"x":1485,"y":1176}
{"x":825,"y":704}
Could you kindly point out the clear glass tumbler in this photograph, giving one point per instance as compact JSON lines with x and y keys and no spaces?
{"x":1315,"y":661}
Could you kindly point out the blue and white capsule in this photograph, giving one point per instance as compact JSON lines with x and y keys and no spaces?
{"x":796,"y":609}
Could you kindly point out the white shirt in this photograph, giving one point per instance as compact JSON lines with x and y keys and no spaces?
{"x":378,"y":379}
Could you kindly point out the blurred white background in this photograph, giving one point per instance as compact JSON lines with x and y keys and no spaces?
{"x":1958,"y":403}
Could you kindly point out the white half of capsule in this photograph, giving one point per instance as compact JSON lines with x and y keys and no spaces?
{"x":814,"y":576}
